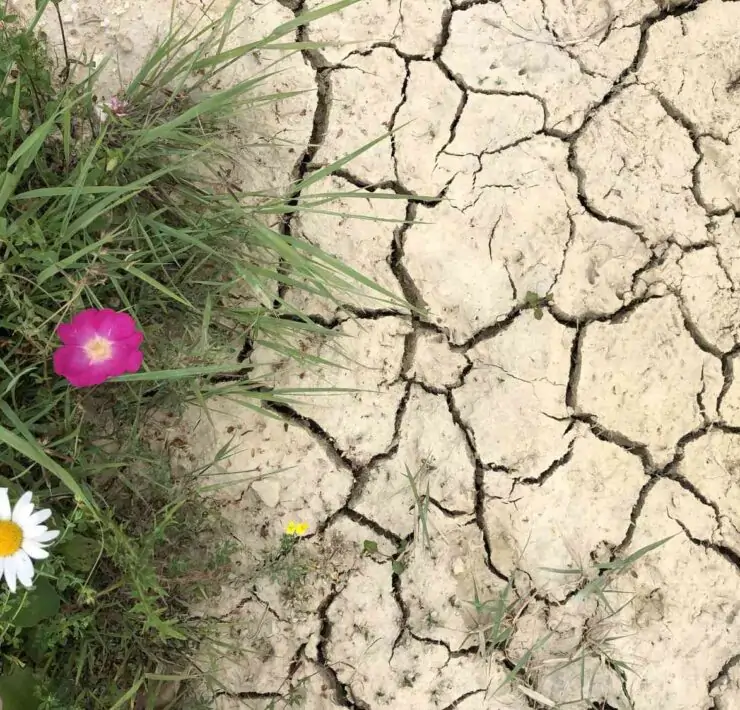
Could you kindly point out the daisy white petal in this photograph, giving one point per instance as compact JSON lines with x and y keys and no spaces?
{"x":24,"y":568}
{"x":48,"y":536}
{"x":39,"y":517}
{"x":4,"y":504}
{"x":10,"y":574}
{"x":23,"y":509}
{"x":34,"y":550}
{"x":33,"y":532}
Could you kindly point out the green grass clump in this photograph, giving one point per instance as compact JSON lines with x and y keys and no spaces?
{"x":125,"y":206}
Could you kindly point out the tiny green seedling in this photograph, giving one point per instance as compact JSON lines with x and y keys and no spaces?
{"x":370,"y":547}
{"x":535,"y":302}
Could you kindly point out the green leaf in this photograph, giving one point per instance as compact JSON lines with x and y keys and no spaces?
{"x":81,"y":553}
{"x":34,"y":451}
{"x":397,"y":566}
{"x":17,"y":690}
{"x":41,"y":603}
{"x":369,"y":546}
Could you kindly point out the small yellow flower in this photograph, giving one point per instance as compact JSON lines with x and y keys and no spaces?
{"x":294,"y":528}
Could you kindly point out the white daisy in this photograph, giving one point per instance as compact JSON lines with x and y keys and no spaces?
{"x":22,"y":539}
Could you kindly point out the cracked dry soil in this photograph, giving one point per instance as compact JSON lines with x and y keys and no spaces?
{"x":587,"y":151}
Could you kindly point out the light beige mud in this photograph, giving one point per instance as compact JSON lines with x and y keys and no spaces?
{"x":564,"y":394}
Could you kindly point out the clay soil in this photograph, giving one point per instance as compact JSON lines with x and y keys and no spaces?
{"x":565,"y":396}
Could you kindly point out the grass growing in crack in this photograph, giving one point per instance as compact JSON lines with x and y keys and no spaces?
{"x":595,"y":655}
{"x":493,"y":624}
{"x":419,"y":485}
{"x":124,"y":205}
{"x":600,"y":577}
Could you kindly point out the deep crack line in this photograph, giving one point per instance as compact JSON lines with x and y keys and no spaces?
{"x":478,"y":482}
{"x":394,"y":116}
{"x":342,"y":693}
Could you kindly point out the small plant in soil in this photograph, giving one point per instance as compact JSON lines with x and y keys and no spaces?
{"x":286,"y":565}
{"x":595,"y":654}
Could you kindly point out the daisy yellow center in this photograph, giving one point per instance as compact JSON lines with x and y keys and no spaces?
{"x":11,"y":538}
{"x":98,"y":349}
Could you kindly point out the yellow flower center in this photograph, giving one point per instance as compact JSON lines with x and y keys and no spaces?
{"x":99,"y":349}
{"x":11,"y":538}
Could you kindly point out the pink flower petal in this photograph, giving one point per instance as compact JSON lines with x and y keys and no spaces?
{"x":68,"y":334}
{"x":119,"y":326}
{"x":134,"y":361}
{"x":69,"y":360}
{"x":87,"y":378}
{"x":133,"y":341}
{"x":86,"y":320}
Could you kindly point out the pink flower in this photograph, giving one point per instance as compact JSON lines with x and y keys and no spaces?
{"x":97,"y":345}
{"x":118,"y":106}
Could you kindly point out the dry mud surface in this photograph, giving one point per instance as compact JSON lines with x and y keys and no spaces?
{"x":568,"y":397}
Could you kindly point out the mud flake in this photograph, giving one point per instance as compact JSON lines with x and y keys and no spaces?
{"x":424,"y":123}
{"x":514,"y":397}
{"x":453,"y":557}
{"x":710,"y":299}
{"x":357,"y":229}
{"x":693,"y":60}
{"x":431,"y":449}
{"x":719,"y":173}
{"x":365,"y":94}
{"x":729,"y":409}
{"x":261,"y":649}
{"x":529,"y":242}
{"x":490,"y":123}
{"x":435,"y":364}
{"x":429,"y":677}
{"x":725,"y":690}
{"x":365,"y":622}
{"x":462,"y":287}
{"x":640,"y":377}
{"x":260,"y":446}
{"x":637,"y":164}
{"x":704,"y":279}
{"x":369,"y":354}
{"x":712,"y":465}
{"x":503,"y":248}
{"x":562,"y":522}
{"x":598,"y":268}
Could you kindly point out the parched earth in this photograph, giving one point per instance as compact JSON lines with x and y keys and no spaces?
{"x":568,"y":183}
